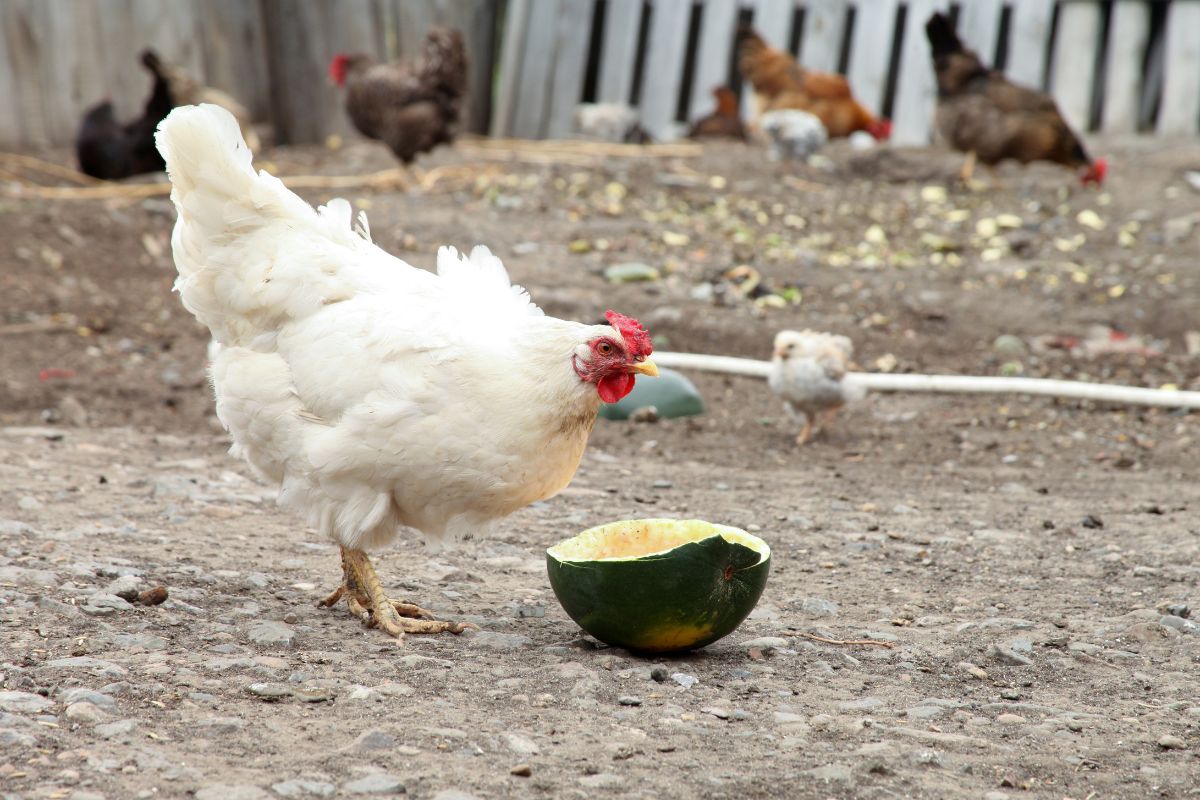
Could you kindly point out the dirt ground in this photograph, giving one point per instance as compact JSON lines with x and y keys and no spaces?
{"x":1031,"y":561}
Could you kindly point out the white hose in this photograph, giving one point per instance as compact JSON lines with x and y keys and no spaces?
{"x":953,"y":384}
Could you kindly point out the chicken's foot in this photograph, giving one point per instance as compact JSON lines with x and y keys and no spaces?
{"x":366,"y":600}
{"x":805,"y":432}
{"x":968,"y":167}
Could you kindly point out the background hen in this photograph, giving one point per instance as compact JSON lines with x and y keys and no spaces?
{"x":985,"y":115}
{"x":377,"y":395}
{"x":187,"y":91}
{"x":109,"y":149}
{"x":724,"y":122}
{"x":808,"y":370}
{"x":780,"y":83}
{"x":410,"y":107}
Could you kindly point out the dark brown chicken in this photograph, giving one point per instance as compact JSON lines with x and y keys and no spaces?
{"x":780,"y":83}
{"x":411,"y":107}
{"x":723,"y":122}
{"x":983,"y":114}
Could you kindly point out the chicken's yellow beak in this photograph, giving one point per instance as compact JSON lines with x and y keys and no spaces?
{"x":647,"y":367}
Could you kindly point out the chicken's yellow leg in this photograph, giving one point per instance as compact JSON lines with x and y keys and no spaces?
{"x":968,"y":167}
{"x":366,"y":600}
{"x":806,"y":431}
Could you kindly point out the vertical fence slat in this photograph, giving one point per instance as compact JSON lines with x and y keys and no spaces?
{"x":664,"y":66}
{"x":916,"y":91}
{"x":574,"y":32}
{"x":234,"y":53}
{"x":1077,"y":42}
{"x":1029,"y":30}
{"x":979,"y":27}
{"x":871,"y":52}
{"x":824,"y":29}
{"x":22,"y":53}
{"x":536,"y":70}
{"x":712,"y":65}
{"x":1180,"y":110}
{"x":1128,"y":34}
{"x":617,"y":56}
{"x":512,"y":49}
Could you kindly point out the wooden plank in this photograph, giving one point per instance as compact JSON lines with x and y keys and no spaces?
{"x":773,"y":21}
{"x":67,"y":70}
{"x":1029,"y":33}
{"x":1075,"y":48}
{"x":302,"y":37}
{"x":1128,"y":35}
{"x":664,"y":66}
{"x":717,"y":21}
{"x":574,"y":33}
{"x":871,"y":53}
{"x":537,"y":70}
{"x":1180,"y":108}
{"x":824,"y":29}
{"x":618,"y":52}
{"x":512,"y":49}
{"x":23,"y":96}
{"x":916,"y":91}
{"x":979,"y":27}
{"x":234,"y":52}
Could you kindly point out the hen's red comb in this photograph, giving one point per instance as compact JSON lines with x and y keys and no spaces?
{"x":635,"y":336}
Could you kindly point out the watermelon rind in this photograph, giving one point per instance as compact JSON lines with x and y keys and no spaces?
{"x":659,"y":585}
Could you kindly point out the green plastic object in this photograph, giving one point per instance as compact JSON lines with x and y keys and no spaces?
{"x":671,"y":393}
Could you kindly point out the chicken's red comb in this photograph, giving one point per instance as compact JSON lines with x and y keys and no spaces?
{"x":635,"y":336}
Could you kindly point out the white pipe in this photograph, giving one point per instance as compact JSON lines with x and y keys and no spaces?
{"x":954,"y":384}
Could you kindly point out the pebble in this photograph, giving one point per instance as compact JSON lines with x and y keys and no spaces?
{"x":521,"y":745}
{"x":373,"y":739}
{"x":26,"y":702}
{"x":1180,"y":624}
{"x":113,"y":730}
{"x":629,"y":700}
{"x":95,"y":666}
{"x":271,"y":633}
{"x":84,"y":711}
{"x":303,"y":788}
{"x":719,"y":713}
{"x":236,"y":791}
{"x":500,"y":641}
{"x":454,"y":794}
{"x":683,"y":679}
{"x":12,"y":738}
{"x":1007,"y":656}
{"x":765,"y":643}
{"x":376,"y":783}
{"x":1170,"y":741}
{"x":818,"y":607}
{"x":521,"y":770}
{"x":270,"y":691}
{"x":925,"y":712}
{"x":1010,"y":719}
{"x":602,"y":780}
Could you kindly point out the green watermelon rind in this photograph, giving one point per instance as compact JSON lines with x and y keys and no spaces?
{"x":682,"y":598}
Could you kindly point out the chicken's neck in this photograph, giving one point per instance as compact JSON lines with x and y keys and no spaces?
{"x":569,"y":404}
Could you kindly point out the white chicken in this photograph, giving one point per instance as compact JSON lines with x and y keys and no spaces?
{"x":792,"y":135}
{"x":374,"y":394}
{"x":808,"y":370}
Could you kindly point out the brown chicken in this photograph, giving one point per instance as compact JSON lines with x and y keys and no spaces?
{"x":780,"y":83}
{"x":724,"y":122}
{"x":983,"y":114}
{"x":411,"y":107}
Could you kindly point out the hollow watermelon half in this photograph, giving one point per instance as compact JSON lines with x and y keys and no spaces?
{"x":659,"y":585}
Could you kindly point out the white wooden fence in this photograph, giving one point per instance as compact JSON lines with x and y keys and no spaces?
{"x":1115,"y":65}
{"x":1096,"y":78}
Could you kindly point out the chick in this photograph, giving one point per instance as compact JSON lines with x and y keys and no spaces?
{"x":807,"y":371}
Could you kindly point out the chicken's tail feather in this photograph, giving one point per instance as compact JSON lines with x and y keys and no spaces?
{"x":250,"y":253}
{"x":942,"y":38}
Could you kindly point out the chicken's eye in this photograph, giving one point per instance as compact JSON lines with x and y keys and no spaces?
{"x":604,"y":349}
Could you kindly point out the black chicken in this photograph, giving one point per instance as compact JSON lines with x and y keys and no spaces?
{"x":110,"y":150}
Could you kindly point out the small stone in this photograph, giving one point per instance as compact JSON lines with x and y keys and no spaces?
{"x":237,"y":791}
{"x":454,"y":794}
{"x":271,"y":633}
{"x":766,"y":644}
{"x":602,"y":780}
{"x":303,"y":788}
{"x":500,"y":641}
{"x":1180,"y":624}
{"x":312,"y":694}
{"x":659,"y":675}
{"x":373,"y":739}
{"x":80,"y":694}
{"x":683,"y":679}
{"x":376,"y":783}
{"x":819,"y":607}
{"x":521,"y":745}
{"x":521,"y":770}
{"x":629,"y":700}
{"x":84,"y":712}
{"x":1170,"y":741}
{"x":631,"y":272}
{"x":1006,"y":656}
{"x":1010,"y":719}
{"x":719,"y":713}
{"x":270,"y":691}
{"x":925,"y":712}
{"x":115,"y":730}
{"x":24,"y":702}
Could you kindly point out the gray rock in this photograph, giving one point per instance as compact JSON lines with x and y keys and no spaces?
{"x":1010,"y":657}
{"x":454,"y":794}
{"x":833,"y":773}
{"x":765,"y":643}
{"x":602,"y":780}
{"x":24,"y":702}
{"x":861,"y":704}
{"x":629,"y":700}
{"x":819,"y":607}
{"x":373,"y":739}
{"x":232,"y":791}
{"x":376,"y":783}
{"x":14,"y":527}
{"x":925,"y":712}
{"x":500,"y":641}
{"x":1180,"y":624}
{"x":84,"y":711}
{"x":80,"y":694}
{"x":95,"y":666}
{"x":270,"y":633}
{"x":222,"y":725}
{"x":270,"y":691}
{"x":116,"y":730}
{"x":1170,"y":741}
{"x":28,"y":577}
{"x":303,"y":788}
{"x":13,"y":738}
{"x":521,"y":745}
